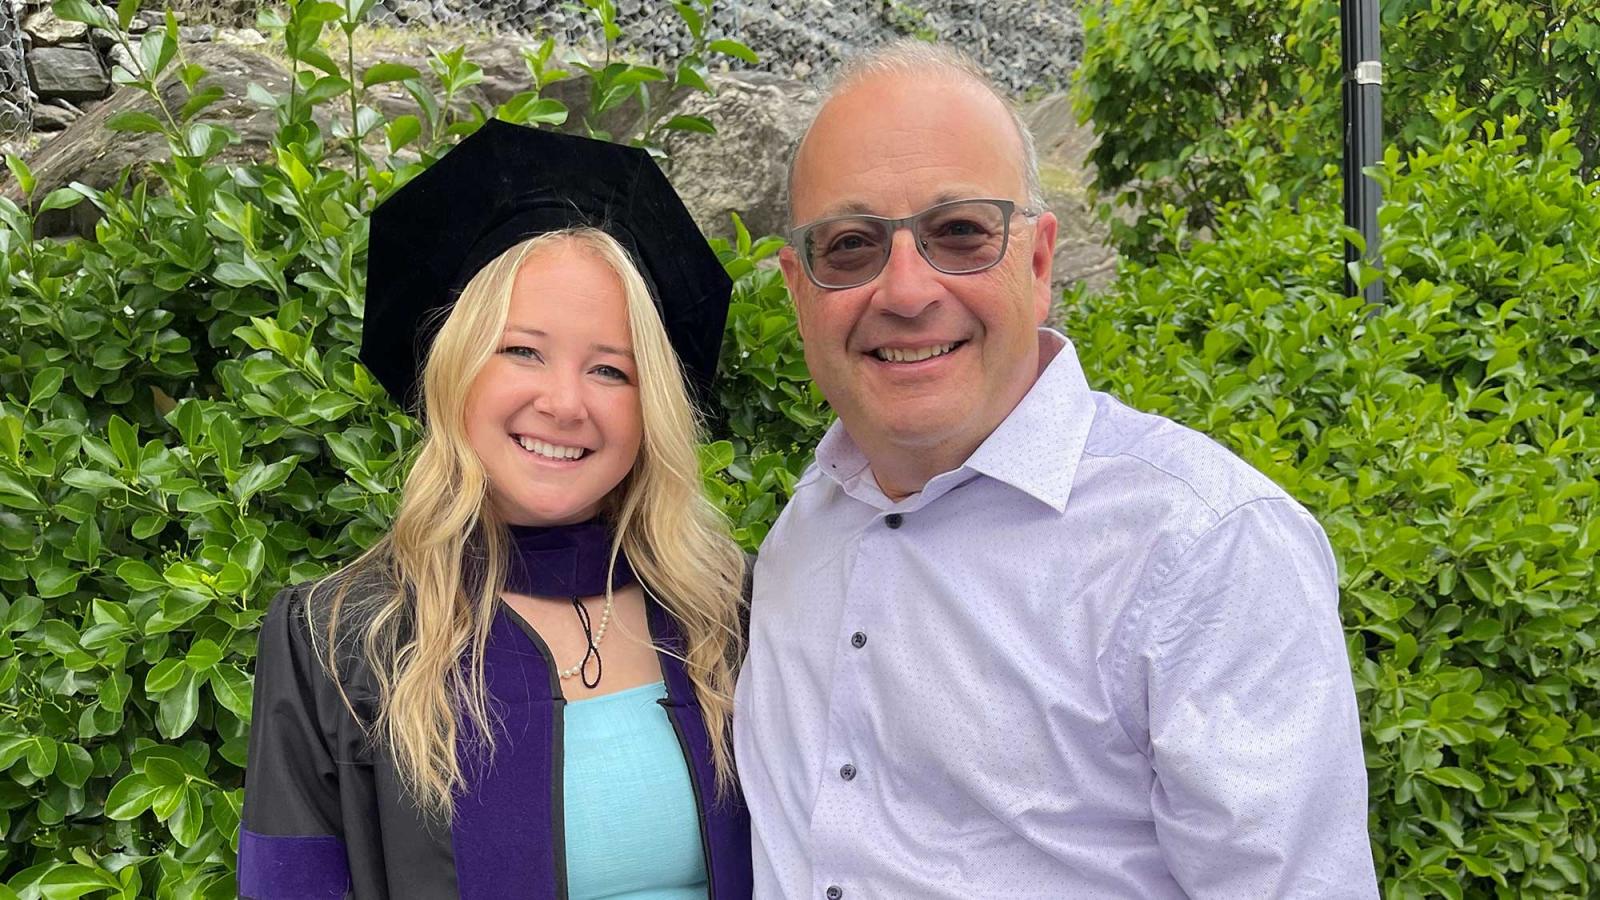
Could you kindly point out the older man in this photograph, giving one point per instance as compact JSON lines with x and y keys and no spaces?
{"x":1012,"y":638}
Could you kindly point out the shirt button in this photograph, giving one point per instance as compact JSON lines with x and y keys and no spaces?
{"x":893,"y":520}
{"x":847,"y":772}
{"x":835,"y":892}
{"x":858,"y":640}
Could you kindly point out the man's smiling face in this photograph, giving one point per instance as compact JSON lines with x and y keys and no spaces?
{"x":916,"y":361}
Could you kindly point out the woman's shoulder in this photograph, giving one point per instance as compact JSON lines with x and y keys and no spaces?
{"x":313,"y":622}
{"x":350,"y":593}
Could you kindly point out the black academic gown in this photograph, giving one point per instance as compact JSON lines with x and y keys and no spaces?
{"x":325,"y":815}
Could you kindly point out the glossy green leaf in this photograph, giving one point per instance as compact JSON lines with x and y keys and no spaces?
{"x":735,"y":49}
{"x":130,"y":798}
{"x":135,"y":120}
{"x":385,"y":72}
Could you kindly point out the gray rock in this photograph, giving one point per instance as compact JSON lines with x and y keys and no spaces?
{"x":196,"y":34}
{"x":242,"y":37}
{"x":383,"y":15}
{"x":740,"y":169}
{"x":49,"y":30}
{"x":13,"y":118}
{"x":138,"y":25}
{"x":102,"y":39}
{"x":73,"y":71}
{"x":1024,"y":44}
{"x":1083,"y":251}
{"x":118,"y":55}
{"x":414,"y":10}
{"x":48,"y":117}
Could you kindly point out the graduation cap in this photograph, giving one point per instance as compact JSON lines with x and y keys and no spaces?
{"x":502,"y":185}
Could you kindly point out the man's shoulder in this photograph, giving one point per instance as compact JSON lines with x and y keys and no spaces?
{"x":813,"y":491}
{"x":1150,"y":453}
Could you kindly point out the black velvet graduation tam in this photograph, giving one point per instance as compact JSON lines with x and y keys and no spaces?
{"x":506,"y":183}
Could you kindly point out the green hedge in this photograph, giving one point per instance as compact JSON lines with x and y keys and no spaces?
{"x":1449,"y":442}
{"x":184,"y":428}
{"x":1180,"y":90}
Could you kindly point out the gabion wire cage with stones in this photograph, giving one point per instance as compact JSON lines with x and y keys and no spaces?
{"x":1025,"y":44}
{"x":16,"y":106}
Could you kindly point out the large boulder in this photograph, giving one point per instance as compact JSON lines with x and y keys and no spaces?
{"x":1083,"y":251}
{"x":743,"y":167}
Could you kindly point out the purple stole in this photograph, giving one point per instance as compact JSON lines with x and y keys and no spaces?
{"x":507,"y":830}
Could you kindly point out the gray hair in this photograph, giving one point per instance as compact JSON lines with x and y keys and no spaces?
{"x":912,"y":56}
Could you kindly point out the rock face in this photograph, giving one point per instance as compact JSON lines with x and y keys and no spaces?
{"x":742,"y":168}
{"x":70,"y":71}
{"x":1082,"y":251}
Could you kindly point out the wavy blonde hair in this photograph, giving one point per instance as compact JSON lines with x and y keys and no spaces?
{"x":441,"y":567}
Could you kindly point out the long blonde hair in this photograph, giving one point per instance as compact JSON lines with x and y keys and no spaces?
{"x":441,"y":567}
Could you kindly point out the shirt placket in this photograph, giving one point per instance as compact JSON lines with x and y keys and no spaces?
{"x":844,"y":816}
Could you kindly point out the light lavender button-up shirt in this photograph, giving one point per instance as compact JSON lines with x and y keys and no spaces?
{"x":1100,"y":659}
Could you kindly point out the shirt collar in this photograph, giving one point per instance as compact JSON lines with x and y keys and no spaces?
{"x":1035,"y":449}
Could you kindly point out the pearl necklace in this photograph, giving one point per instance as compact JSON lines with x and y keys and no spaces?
{"x":571,"y":561}
{"x":594,"y":642}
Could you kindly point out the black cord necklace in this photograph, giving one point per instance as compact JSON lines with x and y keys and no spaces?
{"x":593,"y":642}
{"x":571,"y":561}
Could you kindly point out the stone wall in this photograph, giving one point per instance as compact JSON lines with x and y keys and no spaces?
{"x":50,"y":68}
{"x":16,"y":103}
{"x":760,"y":114}
{"x":56,"y":69}
{"x":1026,"y":45}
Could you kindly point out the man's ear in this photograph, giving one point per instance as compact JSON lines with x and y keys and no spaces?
{"x":794,"y":278}
{"x":1043,"y":262}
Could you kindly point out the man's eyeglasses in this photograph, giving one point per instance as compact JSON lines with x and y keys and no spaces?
{"x":957,"y":238}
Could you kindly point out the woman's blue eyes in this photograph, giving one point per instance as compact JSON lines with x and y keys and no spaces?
{"x":609,"y":372}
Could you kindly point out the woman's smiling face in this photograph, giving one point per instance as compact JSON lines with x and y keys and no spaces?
{"x":554,"y":415}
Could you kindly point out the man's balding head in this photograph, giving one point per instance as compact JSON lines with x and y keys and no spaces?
{"x":916,"y":59}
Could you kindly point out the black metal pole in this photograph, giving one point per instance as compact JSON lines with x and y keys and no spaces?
{"x":1363,"y":135}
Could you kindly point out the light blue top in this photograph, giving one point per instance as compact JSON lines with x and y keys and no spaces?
{"x":633,"y":830}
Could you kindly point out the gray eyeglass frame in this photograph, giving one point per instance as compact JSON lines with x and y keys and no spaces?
{"x":1008,"y":208}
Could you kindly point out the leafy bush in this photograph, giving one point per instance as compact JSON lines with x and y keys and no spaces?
{"x":771,"y":414}
{"x":1450,"y":444}
{"x":184,"y":428}
{"x":1181,"y":91}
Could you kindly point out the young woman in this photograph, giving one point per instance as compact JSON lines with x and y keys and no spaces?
{"x":523,"y":689}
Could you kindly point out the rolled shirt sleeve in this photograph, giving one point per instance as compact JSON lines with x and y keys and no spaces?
{"x":1260,"y":788}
